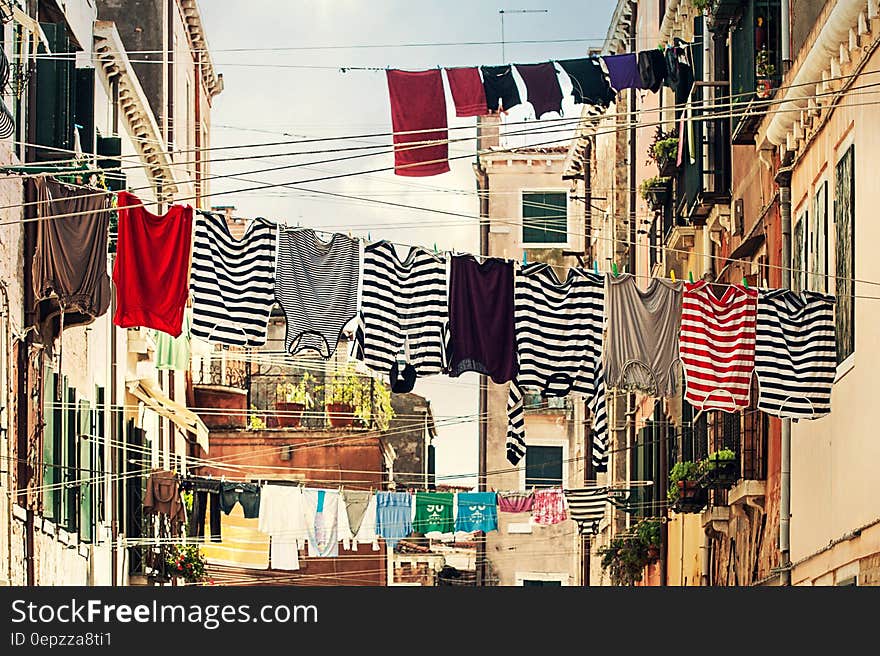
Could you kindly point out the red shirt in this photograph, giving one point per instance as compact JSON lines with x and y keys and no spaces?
{"x":152,"y":266}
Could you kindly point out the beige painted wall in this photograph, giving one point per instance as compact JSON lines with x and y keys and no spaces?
{"x":834,"y":459}
{"x":544,"y":551}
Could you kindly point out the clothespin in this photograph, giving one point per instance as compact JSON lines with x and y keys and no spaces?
{"x":745,"y":282}
{"x":369,"y":236}
{"x":691,"y":277}
{"x":525,"y":259}
{"x":596,"y":267}
{"x":614,"y":268}
{"x":435,"y":248}
{"x":672,"y":275}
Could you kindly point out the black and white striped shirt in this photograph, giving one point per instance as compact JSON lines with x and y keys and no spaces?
{"x":404,"y":309}
{"x":586,"y":506}
{"x":316,"y":286}
{"x":559,"y":345}
{"x":232,"y":281}
{"x":795,"y":353}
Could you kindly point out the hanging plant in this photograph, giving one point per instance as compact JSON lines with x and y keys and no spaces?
{"x":187,"y":562}
{"x":663,"y":151}
{"x":626,"y":556}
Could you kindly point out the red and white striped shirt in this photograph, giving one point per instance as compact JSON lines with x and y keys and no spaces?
{"x":717,"y":345}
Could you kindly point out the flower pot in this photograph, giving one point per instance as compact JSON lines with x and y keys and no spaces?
{"x":666,"y":166}
{"x":340,"y":415}
{"x":289,"y":414}
{"x":691,"y":497}
{"x":220,"y":406}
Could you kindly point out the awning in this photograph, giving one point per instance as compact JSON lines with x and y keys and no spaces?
{"x":151,"y":394}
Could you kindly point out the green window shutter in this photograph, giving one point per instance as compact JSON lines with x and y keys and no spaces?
{"x":85,"y":471}
{"x":545,"y":217}
{"x":109,"y":151}
{"x":844,"y":219}
{"x":56,"y":84}
{"x":544,"y":466}
{"x":69,"y":497}
{"x":51,"y":445}
{"x":84,"y":116}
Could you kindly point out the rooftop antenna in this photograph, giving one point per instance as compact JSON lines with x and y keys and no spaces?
{"x":501,"y":12}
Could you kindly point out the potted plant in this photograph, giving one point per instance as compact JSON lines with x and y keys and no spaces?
{"x":764,"y":71}
{"x":663,"y":151}
{"x":626,"y":556}
{"x":187,"y":562}
{"x":354,"y":396}
{"x":296,"y":399}
{"x":685,"y":493}
{"x":654,"y":191}
{"x":719,"y":470}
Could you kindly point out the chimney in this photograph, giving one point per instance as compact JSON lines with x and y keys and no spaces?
{"x":488,"y":131}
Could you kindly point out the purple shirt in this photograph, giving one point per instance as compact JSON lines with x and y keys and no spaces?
{"x":481,"y":336}
{"x":542,"y":87}
{"x":623,"y":70}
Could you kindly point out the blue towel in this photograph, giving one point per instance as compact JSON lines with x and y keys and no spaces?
{"x":393,"y":516}
{"x":477,"y":511}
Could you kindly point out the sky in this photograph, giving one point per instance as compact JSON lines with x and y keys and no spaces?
{"x":280,"y":62}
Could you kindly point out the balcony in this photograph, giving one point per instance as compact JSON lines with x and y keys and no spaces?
{"x":704,"y":180}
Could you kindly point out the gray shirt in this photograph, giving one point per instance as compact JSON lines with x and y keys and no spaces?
{"x":641,"y":348}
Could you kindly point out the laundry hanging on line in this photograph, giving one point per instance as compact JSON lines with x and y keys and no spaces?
{"x":418,"y":101}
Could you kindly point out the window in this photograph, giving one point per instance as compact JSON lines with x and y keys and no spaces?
{"x":845,"y":266}
{"x":545,"y":218}
{"x":527,"y":583}
{"x":798,"y":261}
{"x":544,"y":466}
{"x":817,"y":249}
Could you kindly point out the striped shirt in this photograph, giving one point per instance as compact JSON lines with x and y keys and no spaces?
{"x":403,"y":309}
{"x":586,"y":506}
{"x":232,"y":281}
{"x":316,"y":286}
{"x":559,"y":345}
{"x":717,"y":345}
{"x":796,"y":353}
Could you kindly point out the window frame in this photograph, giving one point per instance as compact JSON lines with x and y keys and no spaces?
{"x":845,"y":360}
{"x":817,"y":267}
{"x":562,"y":577}
{"x":545,"y":442}
{"x":566,"y":243}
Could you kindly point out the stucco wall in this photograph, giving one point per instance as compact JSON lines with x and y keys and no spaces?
{"x":833,"y":459}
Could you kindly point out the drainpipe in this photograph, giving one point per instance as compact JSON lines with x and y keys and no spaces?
{"x":785,"y":22}
{"x":483,"y":193}
{"x":632,"y":151}
{"x":783,"y":179}
{"x":7,"y":423}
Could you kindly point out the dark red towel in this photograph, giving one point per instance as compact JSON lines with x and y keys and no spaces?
{"x":418,"y":115}
{"x":467,"y":91}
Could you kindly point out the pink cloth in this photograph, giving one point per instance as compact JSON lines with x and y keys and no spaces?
{"x":515,"y":502}
{"x":467,"y":90}
{"x":549,"y":507}
{"x":418,"y":115}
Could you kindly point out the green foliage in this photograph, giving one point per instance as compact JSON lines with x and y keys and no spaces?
{"x":663,"y":148}
{"x":723,"y":454}
{"x":763,"y":66}
{"x":652,"y":185}
{"x":187,"y":561}
{"x":255,"y":421}
{"x":626,"y":556}
{"x":702,"y":5}
{"x":299,"y":393}
{"x":369,"y":398}
{"x":717,"y":459}
{"x":681,"y":471}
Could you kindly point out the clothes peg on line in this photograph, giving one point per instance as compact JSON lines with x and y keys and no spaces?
{"x":614,"y":268}
{"x":435,"y":248}
{"x":672,"y":275}
{"x":525,"y":259}
{"x":596,"y":267}
{"x":691,"y":277}
{"x":745,"y":282}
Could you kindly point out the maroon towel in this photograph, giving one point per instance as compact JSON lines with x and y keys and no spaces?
{"x":515,"y":502}
{"x":418,"y":103}
{"x":542,"y":87}
{"x":467,"y":91}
